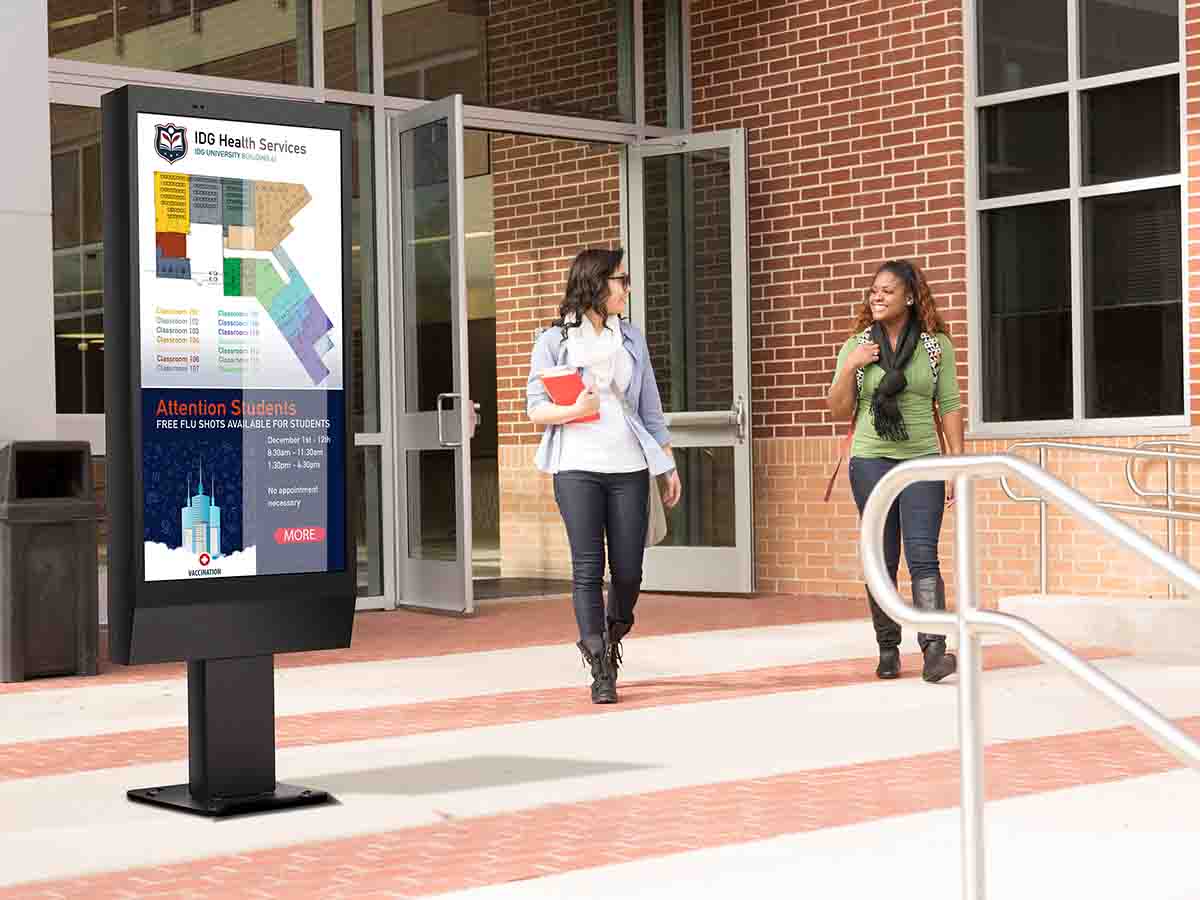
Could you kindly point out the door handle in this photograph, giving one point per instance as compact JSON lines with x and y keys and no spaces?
{"x":733,"y":418}
{"x":441,"y":409}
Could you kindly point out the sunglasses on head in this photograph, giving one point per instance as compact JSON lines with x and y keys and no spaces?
{"x":624,"y":279}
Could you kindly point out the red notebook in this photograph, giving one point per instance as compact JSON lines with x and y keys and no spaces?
{"x":564,"y":385}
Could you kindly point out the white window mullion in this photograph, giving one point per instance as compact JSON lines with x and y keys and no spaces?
{"x":1184,"y":222}
{"x":1084,"y":84}
{"x":1133,"y":186}
{"x":975,"y":323}
{"x":1055,"y":196}
{"x":1075,"y":151}
{"x":1073,"y":42}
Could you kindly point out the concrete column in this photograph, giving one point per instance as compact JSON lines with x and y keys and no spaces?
{"x":27,"y":333}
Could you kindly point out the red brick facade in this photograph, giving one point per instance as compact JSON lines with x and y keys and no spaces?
{"x":855,"y":121}
{"x":554,"y":56}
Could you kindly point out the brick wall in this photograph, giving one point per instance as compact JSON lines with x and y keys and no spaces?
{"x":654,"y":25}
{"x":554,"y":56}
{"x":854,"y":113}
{"x":808,"y":546}
{"x":551,"y":199}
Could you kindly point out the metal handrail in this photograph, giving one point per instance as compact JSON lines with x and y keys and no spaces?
{"x":1170,"y":494}
{"x":971,"y":622}
{"x":1143,"y":450}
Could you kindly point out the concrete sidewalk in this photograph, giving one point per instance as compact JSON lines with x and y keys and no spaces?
{"x":764,"y":761}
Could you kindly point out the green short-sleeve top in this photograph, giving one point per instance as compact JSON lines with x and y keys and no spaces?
{"x":916,"y":403}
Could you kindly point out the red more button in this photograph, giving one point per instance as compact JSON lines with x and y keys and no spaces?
{"x":304,"y":535}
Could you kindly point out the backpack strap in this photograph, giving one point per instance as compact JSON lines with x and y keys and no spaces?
{"x":859,"y":377}
{"x":933,"y":348}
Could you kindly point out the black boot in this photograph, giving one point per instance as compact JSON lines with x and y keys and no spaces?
{"x":889,"y":663}
{"x":929,"y":592}
{"x":604,"y":681}
{"x":616,"y":631}
{"x":887,"y":635}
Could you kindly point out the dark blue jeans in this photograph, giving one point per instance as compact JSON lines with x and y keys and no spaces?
{"x":915,"y":518}
{"x":596,"y":506}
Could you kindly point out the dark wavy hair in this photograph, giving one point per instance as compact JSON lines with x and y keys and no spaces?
{"x":917,"y":288}
{"x":587,"y":286}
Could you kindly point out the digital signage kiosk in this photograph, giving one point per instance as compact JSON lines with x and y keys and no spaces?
{"x":227,"y":287}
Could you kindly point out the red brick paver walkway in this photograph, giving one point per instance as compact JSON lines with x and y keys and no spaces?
{"x":418,"y":862}
{"x":405,"y":634}
{"x":31,"y":759}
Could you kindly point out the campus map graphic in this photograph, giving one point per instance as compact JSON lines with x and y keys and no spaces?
{"x":229,"y":233}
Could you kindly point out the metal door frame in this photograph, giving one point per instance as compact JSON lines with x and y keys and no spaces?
{"x":705,"y":569}
{"x":414,"y":579}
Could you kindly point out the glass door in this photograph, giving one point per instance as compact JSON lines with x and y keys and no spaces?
{"x":434,"y":420}
{"x":688,"y":255}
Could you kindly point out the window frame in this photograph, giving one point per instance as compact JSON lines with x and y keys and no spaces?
{"x":1079,"y":425}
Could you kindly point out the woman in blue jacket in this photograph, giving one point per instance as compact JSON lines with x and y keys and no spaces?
{"x":602,"y":469}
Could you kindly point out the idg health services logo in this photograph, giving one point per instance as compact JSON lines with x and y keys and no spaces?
{"x":170,"y":142}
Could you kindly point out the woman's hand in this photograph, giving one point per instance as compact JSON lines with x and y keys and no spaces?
{"x":674,"y":489}
{"x":587,"y":403}
{"x":949,"y":493}
{"x":863,"y":355}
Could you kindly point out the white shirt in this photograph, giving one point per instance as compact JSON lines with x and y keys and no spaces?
{"x":609,"y":445}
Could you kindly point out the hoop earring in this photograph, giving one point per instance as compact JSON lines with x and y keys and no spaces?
{"x":910,"y":303}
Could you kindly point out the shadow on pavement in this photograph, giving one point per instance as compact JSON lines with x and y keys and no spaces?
{"x":466,"y":774}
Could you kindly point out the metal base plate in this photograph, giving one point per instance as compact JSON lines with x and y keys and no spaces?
{"x":178,"y":796}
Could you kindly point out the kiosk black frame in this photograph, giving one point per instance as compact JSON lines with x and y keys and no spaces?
{"x":227,"y":630}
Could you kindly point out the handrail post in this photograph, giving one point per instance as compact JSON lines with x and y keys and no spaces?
{"x":1043,"y":532}
{"x":970,"y":675}
{"x":1170,"y":520}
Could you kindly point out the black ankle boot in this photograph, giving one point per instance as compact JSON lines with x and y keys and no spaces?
{"x":938,"y":663}
{"x":889,"y":663}
{"x":929,"y":592}
{"x":604,"y":681}
{"x":616,"y":631}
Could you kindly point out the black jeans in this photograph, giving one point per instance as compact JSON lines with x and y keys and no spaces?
{"x":917,"y":518}
{"x":596,"y":505}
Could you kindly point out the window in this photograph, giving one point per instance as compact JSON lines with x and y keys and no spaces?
{"x":1079,"y":214}
{"x":77,"y":226}
{"x":259,"y":40}
{"x":347,"y":44}
{"x":573,"y":59}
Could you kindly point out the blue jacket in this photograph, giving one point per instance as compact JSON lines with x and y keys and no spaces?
{"x":647,"y":421}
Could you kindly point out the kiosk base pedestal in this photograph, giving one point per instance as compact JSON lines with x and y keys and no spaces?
{"x":179,"y":796}
{"x":231,"y":744}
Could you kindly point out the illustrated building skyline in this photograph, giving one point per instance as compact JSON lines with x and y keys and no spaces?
{"x":201,"y":521}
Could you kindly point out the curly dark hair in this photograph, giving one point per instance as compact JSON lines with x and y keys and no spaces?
{"x":587,"y":286}
{"x":913,"y":279}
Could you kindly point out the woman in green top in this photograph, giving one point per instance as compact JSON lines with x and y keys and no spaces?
{"x":896,"y":364}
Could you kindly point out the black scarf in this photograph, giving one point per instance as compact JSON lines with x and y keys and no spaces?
{"x":885,"y":405}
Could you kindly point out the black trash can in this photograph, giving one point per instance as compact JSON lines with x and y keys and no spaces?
{"x":48,"y":567}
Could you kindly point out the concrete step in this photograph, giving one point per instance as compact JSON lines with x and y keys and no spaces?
{"x":1136,"y":625}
